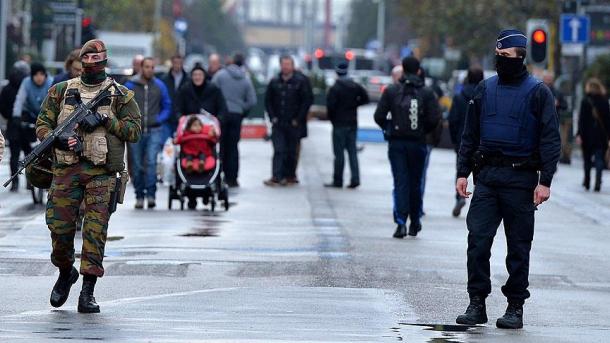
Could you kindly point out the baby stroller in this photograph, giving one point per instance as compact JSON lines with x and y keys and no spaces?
{"x":192,"y":181}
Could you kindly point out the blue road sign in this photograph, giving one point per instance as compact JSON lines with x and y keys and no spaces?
{"x":575,"y":29}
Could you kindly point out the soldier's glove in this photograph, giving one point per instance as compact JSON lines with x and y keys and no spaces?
{"x":92,"y":121}
{"x":62,"y":142}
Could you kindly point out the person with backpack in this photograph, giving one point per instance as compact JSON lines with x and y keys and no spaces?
{"x":457,"y":119}
{"x":406,"y":112}
{"x":342,"y":103}
{"x":13,"y":125}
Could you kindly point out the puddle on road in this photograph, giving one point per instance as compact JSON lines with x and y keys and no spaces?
{"x":114,"y":238}
{"x":447,"y":333}
{"x":202,"y":232}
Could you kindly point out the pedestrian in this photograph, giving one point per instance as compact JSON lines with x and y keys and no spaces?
{"x":72,"y":67}
{"x":175,"y":78}
{"x":90,"y":175}
{"x":287,"y":102}
{"x":593,"y":131}
{"x":342,"y":103}
{"x":198,"y":96}
{"x":511,"y":145}
{"x":13,"y":124}
{"x":32,"y":92}
{"x":155,"y":105}
{"x":240,"y":96}
{"x":406,"y":112}
{"x":565,"y":117}
{"x":214,"y":65}
{"x":457,"y":118}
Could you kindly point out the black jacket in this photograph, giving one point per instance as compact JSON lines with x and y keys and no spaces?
{"x":342,"y":102}
{"x":7,"y":100}
{"x":549,"y":142}
{"x":431,"y":111}
{"x":288,"y":100}
{"x":457,"y":114}
{"x":593,"y":133}
{"x":210,"y":98}
{"x":170,"y":83}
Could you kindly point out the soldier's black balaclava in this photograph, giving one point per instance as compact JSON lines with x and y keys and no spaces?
{"x":93,"y":73}
{"x":509,"y":68}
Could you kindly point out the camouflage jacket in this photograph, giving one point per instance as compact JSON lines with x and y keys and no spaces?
{"x":125,"y":125}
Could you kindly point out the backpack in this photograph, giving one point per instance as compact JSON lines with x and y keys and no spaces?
{"x":407,"y":118}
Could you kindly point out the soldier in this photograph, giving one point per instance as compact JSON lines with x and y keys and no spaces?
{"x":511,"y":144}
{"x":90,"y":175}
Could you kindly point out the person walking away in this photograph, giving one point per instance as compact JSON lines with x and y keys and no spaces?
{"x":32,"y":92}
{"x":239,"y":94}
{"x":287,"y":102}
{"x":175,"y":78}
{"x":155,"y":105}
{"x":200,"y":95}
{"x":593,"y":131}
{"x":511,"y":145}
{"x":342,"y":103}
{"x":457,"y":119}
{"x":13,"y":125}
{"x":406,"y":112}
{"x":73,"y":68}
{"x":214,"y":65}
{"x":90,"y":175}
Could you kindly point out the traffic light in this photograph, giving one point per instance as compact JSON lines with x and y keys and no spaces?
{"x":88,"y":30}
{"x":538,"y":42}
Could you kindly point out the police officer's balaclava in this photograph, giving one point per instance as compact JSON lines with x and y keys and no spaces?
{"x":93,"y":73}
{"x":510,"y":67}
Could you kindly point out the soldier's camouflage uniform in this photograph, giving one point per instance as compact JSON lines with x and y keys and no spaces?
{"x":83,"y":180}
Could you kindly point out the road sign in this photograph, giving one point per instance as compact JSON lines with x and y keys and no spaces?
{"x":575,"y":29}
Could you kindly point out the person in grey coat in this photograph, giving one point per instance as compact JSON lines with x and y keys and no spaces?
{"x":240,"y":97}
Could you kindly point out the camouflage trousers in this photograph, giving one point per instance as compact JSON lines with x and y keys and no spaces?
{"x":71,"y":185}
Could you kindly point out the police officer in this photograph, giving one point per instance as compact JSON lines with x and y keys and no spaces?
{"x":406,"y":112}
{"x":90,"y":175}
{"x":511,"y":144}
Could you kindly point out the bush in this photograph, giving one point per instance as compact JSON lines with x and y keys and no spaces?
{"x":600,"y":69}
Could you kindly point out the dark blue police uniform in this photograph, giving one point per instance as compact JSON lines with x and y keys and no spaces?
{"x":511,"y":143}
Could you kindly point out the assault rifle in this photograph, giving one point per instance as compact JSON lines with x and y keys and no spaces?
{"x":67,"y":127}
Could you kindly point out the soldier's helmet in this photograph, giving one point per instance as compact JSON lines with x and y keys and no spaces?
{"x":39,"y":173}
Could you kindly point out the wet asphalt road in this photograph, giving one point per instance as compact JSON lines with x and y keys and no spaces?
{"x":308,"y":264}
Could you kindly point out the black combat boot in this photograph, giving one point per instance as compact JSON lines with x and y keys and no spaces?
{"x":401,"y":231}
{"x":414,"y":229}
{"x":475,"y":313}
{"x":86,"y":301}
{"x":61,"y":290}
{"x":512,"y":318}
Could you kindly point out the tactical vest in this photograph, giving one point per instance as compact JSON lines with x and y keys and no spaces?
{"x":99,"y":147}
{"x":507,"y":123}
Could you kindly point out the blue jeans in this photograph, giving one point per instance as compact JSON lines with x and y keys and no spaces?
{"x":143,"y":159}
{"x":407,"y":160}
{"x":423,"y":176}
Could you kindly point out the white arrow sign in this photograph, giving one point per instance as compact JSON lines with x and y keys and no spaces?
{"x":575,"y":26}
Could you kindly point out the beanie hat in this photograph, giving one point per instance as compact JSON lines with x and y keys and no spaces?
{"x":36,"y":68}
{"x":341,"y":69}
{"x":198,"y":66}
{"x":410,"y":65}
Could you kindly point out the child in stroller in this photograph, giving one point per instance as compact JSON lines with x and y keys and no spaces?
{"x":197,"y":142}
